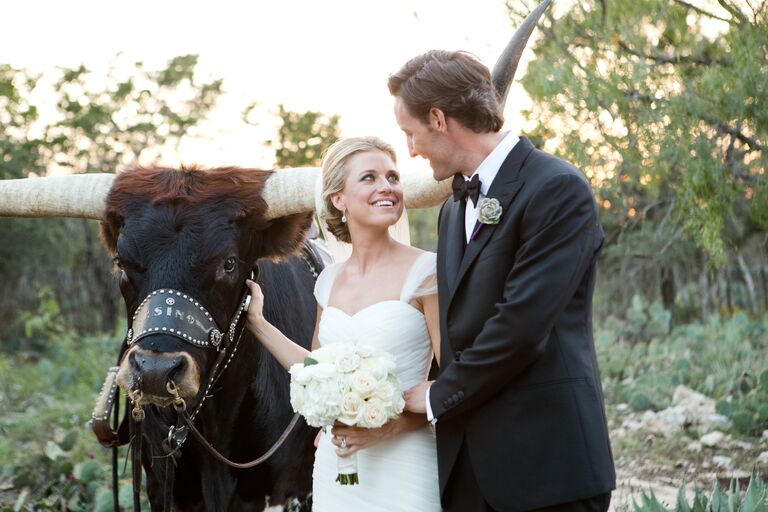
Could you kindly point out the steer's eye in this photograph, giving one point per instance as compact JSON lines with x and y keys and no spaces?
{"x":230,"y":264}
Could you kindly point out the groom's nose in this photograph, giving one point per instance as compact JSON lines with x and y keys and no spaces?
{"x":411,"y":151}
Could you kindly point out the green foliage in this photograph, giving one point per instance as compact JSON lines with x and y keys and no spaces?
{"x":725,"y":358}
{"x":423,"y":228}
{"x":754,"y":499}
{"x":303,"y":137}
{"x":663,"y":106}
{"x":49,"y":458}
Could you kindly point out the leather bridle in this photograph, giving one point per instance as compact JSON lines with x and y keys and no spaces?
{"x":170,"y":312}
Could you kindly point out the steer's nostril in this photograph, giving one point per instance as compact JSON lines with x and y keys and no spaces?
{"x":159,"y":374}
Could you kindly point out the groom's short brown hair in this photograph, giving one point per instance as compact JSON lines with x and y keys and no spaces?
{"x":455,"y":82}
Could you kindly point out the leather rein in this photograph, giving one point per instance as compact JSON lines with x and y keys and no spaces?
{"x":193,"y":324}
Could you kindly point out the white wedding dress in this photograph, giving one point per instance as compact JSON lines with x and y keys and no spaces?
{"x":400,"y":473}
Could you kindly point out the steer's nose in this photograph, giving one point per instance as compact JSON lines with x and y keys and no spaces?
{"x":154,"y":370}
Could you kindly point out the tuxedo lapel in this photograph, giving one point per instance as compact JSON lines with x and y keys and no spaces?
{"x":504,"y":188}
{"x":455,"y":242}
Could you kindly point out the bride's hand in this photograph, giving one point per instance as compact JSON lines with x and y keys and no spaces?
{"x":255,"y":314}
{"x":356,"y":438}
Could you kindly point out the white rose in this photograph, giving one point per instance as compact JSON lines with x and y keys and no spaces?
{"x":384,"y":391}
{"x":398,"y":404}
{"x":347,"y":362}
{"x":373,"y":367}
{"x":363,"y":382}
{"x":351,"y":407}
{"x":373,"y":414}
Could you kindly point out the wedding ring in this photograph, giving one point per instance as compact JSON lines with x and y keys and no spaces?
{"x":343,"y":442}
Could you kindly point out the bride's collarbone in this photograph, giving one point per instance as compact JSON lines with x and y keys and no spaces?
{"x":356,"y":295}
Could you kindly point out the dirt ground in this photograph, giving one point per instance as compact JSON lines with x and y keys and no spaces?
{"x":647,"y":462}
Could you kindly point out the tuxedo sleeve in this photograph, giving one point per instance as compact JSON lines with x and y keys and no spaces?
{"x":560,"y":237}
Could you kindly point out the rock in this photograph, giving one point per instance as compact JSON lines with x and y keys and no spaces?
{"x":762,"y":458}
{"x":712,"y":439}
{"x":699,"y":409}
{"x":723,"y":462}
{"x":694,"y":446}
{"x":624,"y":407}
{"x":665,"y":422}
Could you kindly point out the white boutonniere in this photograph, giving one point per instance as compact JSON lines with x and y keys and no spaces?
{"x":489,"y":211}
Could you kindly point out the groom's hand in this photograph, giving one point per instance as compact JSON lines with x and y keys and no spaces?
{"x":416,"y":397}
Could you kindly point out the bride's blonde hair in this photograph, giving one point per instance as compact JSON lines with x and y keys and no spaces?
{"x":335,"y":173}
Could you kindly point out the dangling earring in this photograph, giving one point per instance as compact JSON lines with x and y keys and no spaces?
{"x":344,"y":217}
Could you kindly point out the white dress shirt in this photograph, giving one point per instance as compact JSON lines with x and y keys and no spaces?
{"x":486,"y":172}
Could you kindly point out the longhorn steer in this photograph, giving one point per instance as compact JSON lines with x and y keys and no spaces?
{"x":200,"y":232}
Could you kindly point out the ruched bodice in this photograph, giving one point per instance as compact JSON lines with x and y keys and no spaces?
{"x":401,"y":473}
{"x":393,"y":326}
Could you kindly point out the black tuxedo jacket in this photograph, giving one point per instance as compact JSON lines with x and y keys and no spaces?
{"x":519,"y":382}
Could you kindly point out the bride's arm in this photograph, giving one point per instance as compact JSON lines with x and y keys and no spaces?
{"x":279,"y":345}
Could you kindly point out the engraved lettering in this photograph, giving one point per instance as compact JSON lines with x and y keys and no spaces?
{"x":158,"y":311}
{"x":179,"y":314}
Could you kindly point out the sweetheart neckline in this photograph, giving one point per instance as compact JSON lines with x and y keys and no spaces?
{"x":369,"y":306}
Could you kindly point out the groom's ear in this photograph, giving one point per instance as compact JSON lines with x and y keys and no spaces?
{"x":436,"y":119}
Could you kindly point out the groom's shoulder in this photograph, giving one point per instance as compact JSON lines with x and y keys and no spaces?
{"x":542,"y":166}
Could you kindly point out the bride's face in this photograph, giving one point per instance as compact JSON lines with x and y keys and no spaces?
{"x":372,"y":194}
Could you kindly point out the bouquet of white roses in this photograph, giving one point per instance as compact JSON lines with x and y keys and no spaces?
{"x":349,"y":383}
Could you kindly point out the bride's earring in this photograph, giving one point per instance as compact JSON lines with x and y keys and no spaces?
{"x":344,"y":217}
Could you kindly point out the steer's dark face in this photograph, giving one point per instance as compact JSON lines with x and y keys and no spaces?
{"x":198,"y":232}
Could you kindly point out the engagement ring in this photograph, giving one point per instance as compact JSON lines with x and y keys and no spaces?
{"x":343,"y":442}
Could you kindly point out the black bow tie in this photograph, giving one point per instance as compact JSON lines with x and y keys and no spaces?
{"x":463,"y":189}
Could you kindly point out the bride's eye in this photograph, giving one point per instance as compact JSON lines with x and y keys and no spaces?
{"x":394,"y":178}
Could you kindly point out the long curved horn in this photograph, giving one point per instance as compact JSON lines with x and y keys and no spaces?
{"x":76,"y":195}
{"x":290,"y":191}
{"x":505,"y":68}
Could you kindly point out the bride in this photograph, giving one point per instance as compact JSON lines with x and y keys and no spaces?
{"x":386,"y":295}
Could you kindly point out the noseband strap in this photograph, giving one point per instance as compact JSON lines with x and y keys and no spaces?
{"x":177,"y":314}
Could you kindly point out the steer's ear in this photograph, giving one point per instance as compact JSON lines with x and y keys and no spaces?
{"x":110,"y":229}
{"x":284,"y":236}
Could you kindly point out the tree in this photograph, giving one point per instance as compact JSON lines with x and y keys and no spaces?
{"x":303,"y":137}
{"x":664,"y":105}
{"x":97,"y":124}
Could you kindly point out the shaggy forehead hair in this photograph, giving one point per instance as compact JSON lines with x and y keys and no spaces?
{"x":187,"y":189}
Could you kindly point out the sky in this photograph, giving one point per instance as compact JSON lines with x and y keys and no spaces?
{"x":332,"y":56}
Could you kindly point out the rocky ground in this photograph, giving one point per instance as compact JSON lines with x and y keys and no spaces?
{"x":684,"y":444}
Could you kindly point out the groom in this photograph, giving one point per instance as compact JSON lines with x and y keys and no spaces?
{"x":518,"y":406}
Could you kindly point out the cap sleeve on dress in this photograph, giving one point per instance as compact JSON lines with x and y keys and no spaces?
{"x":324,"y":284}
{"x":422,"y":279}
